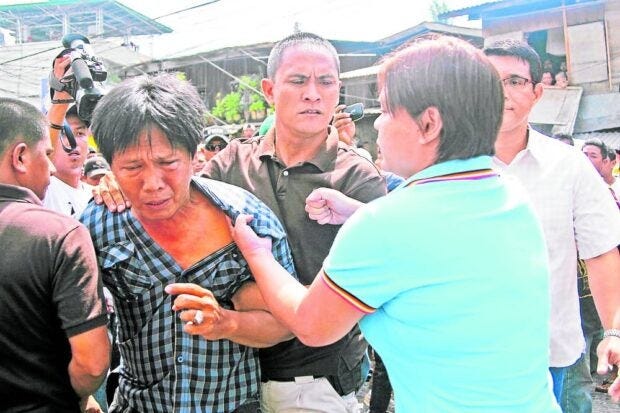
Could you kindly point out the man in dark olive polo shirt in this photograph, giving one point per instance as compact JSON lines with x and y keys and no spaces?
{"x":301,"y":153}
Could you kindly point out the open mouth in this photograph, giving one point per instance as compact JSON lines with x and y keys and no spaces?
{"x":156,"y":203}
{"x":311,"y":112}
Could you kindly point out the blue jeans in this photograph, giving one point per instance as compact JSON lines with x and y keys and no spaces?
{"x":577,"y":389}
{"x":578,"y":382}
{"x":100,"y":396}
{"x":557,"y":374}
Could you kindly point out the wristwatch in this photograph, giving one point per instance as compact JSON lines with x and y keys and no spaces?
{"x":613,"y":332}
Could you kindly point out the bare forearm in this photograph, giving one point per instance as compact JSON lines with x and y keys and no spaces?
{"x":83,"y":381}
{"x":256,"y":328}
{"x":316,"y":315}
{"x":282,"y":293}
{"x":56,"y":114}
{"x":604,"y":280}
{"x":90,"y":360}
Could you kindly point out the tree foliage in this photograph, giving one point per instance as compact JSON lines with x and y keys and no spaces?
{"x":242,"y":100}
{"x":228,"y":107}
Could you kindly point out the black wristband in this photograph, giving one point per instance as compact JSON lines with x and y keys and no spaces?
{"x":54,"y":126}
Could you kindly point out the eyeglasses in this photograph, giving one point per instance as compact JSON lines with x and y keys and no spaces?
{"x":212,"y":147}
{"x":516,"y":82}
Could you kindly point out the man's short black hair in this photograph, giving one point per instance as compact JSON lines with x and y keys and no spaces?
{"x":20,"y":120}
{"x":73,"y":113}
{"x":599,"y":144}
{"x":520,"y":50}
{"x":564,"y":137}
{"x":305,"y":39}
{"x":144,"y":103}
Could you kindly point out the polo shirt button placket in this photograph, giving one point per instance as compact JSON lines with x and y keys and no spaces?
{"x":282,"y":184}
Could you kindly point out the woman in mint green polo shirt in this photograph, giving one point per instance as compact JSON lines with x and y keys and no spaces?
{"x":447,"y":275}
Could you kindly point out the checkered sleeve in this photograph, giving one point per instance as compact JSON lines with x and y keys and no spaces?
{"x":265,"y":223}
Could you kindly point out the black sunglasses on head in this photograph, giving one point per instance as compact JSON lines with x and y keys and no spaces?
{"x":212,"y":147}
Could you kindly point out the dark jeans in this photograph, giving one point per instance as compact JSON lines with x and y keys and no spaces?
{"x":578,"y":382}
{"x":251,"y":405}
{"x":381,"y":390}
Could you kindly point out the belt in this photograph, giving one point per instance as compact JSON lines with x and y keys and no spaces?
{"x":333,"y":381}
{"x":297,"y":379}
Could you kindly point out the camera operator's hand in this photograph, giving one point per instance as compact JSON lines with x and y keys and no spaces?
{"x":56,"y":112}
{"x":62,"y":67}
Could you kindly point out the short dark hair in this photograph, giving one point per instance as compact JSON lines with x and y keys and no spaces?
{"x":305,"y":39}
{"x":564,"y":137}
{"x":20,"y":120}
{"x":599,"y":144}
{"x":142,"y":103}
{"x":456,"y":78}
{"x":611,"y":154}
{"x":72,"y":112}
{"x":520,"y":50}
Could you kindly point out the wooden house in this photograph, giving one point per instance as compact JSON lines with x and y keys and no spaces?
{"x":583,"y":36}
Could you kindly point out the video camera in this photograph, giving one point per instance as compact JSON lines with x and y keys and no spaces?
{"x":84,"y":84}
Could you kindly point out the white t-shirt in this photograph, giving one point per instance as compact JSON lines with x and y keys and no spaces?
{"x":66,"y":199}
{"x":577,"y":214}
{"x":616,"y":187}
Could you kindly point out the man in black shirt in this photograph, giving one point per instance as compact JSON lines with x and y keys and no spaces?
{"x":54,"y":347}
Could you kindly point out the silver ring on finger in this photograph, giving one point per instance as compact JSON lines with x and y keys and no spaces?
{"x":199,"y":317}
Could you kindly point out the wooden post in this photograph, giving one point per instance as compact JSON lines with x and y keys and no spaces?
{"x":608,"y":54}
{"x":566,"y":43}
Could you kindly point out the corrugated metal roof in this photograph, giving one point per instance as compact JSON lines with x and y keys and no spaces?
{"x":508,"y":7}
{"x":363,"y":72}
{"x":598,"y":112}
{"x":390,"y":43}
{"x":44,"y":20}
{"x":470,"y":11}
{"x":611,"y":139}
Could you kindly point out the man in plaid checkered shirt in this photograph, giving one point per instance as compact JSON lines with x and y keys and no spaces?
{"x":190,"y":315}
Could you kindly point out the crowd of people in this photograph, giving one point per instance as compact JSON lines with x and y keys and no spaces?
{"x":251,"y":275}
{"x":552,"y":76}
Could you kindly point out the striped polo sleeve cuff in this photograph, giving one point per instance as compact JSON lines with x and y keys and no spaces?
{"x":345,"y":295}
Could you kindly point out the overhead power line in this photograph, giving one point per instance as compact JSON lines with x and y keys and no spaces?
{"x":102,"y":34}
